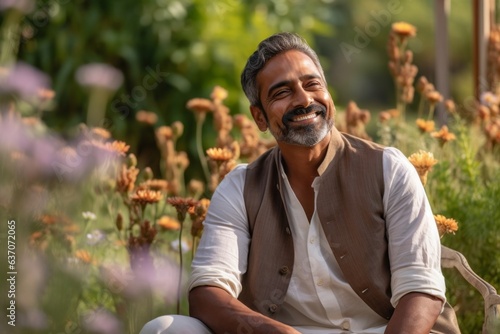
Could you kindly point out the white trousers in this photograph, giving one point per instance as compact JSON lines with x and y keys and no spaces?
{"x":175,"y":324}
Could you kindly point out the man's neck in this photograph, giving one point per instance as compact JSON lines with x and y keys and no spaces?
{"x":301,"y":163}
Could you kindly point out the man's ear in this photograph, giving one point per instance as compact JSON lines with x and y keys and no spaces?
{"x":259,"y":118}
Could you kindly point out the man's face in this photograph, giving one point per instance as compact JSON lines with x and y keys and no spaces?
{"x":297,"y":107}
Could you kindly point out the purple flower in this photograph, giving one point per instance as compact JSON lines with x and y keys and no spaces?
{"x":24,"y":6}
{"x":24,"y":80}
{"x":47,"y":156}
{"x":99,"y":75}
{"x":102,"y":321}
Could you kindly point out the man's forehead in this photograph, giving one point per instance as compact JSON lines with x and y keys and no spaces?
{"x":286,"y":66}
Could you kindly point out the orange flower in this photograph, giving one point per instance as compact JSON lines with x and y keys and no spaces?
{"x":168,"y":223}
{"x":119,"y":147}
{"x":403,"y":29}
{"x":146,"y":117}
{"x":423,"y":163}
{"x":46,"y":94}
{"x":198,"y":214}
{"x":443,"y":135}
{"x":450,"y":106}
{"x":425,"y":126}
{"x":434,"y":97}
{"x":200,"y":105}
{"x":48,"y":219}
{"x":146,"y":196}
{"x":219,"y":154}
{"x":384,"y":116}
{"x":83,"y":256}
{"x":219,"y":94}
{"x":164,"y":133}
{"x":100,"y":133}
{"x":445,"y":225}
{"x":182,"y":205}
{"x":155,"y":184}
{"x":125,"y":181}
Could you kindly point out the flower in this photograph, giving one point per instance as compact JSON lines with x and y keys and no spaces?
{"x":87,"y":215}
{"x":445,"y":225}
{"x":118,"y":146}
{"x":219,"y":154}
{"x":434,"y":97}
{"x":100,"y":133}
{"x":423,"y":163}
{"x":404,"y":29}
{"x":95,"y":237}
{"x":146,"y":196}
{"x":182,"y":205}
{"x":425,"y":126}
{"x":155,"y":184}
{"x":146,"y":117}
{"x":83,"y":256}
{"x":102,"y":321}
{"x":168,"y":223}
{"x":24,"y":6}
{"x":46,"y":94}
{"x":384,"y":116}
{"x":218,"y":94}
{"x":200,"y":105}
{"x":450,"y":106}
{"x":125,"y":181}
{"x":443,"y":135}
{"x":99,"y":75}
{"x":489,"y":99}
{"x":24,"y":80}
{"x":198,"y":214}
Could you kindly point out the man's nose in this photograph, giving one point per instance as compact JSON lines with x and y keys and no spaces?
{"x":302,"y":98}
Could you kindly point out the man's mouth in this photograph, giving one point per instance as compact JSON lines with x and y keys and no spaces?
{"x":303,"y":114}
{"x":300,"y":118}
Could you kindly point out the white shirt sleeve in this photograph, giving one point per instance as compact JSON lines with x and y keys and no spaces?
{"x":222,"y":254}
{"x":414,"y":243}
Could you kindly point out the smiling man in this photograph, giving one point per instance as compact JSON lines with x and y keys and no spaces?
{"x":325,"y":233}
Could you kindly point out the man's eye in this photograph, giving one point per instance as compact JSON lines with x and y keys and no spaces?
{"x":280,"y":93}
{"x":314,"y":84}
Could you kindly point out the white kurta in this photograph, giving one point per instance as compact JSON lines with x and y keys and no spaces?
{"x":319,"y":300}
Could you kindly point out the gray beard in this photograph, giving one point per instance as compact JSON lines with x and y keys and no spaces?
{"x":308,"y":135}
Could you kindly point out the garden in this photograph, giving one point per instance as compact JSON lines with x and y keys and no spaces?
{"x":118,"y":120}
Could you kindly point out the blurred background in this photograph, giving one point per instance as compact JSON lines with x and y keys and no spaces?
{"x":193,"y":45}
{"x":102,"y":128}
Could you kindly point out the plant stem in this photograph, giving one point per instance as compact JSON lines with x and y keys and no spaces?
{"x":179,"y":284}
{"x":199,"y":146}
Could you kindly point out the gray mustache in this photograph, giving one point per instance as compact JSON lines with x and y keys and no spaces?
{"x":302,"y":111}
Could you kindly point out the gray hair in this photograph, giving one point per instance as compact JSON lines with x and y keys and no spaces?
{"x":267,"y":49}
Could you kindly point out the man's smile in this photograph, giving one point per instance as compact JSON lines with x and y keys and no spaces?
{"x":300,"y":118}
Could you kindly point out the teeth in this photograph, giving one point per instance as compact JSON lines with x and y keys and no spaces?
{"x":304,"y":117}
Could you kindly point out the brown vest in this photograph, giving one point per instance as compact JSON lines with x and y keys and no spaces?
{"x":350,"y":209}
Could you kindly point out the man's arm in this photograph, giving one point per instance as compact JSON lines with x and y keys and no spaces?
{"x":415,"y":313}
{"x":223,"y":313}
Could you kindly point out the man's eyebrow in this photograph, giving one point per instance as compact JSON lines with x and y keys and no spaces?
{"x":287,"y":82}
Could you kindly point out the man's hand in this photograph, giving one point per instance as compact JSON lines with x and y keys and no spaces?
{"x":416,"y":313}
{"x":223,"y":313}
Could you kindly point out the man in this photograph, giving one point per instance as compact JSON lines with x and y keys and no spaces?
{"x":325,"y":233}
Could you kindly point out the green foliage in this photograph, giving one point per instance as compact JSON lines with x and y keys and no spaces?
{"x":169,"y":52}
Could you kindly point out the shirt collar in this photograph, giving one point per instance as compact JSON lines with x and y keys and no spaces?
{"x":335,"y":144}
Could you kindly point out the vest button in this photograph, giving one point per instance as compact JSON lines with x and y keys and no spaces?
{"x":284,"y":270}
{"x":288,"y":230}
{"x":273,"y":308}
